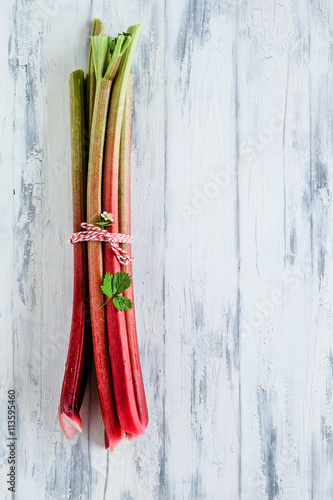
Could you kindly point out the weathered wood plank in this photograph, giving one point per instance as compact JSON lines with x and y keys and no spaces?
{"x":282,"y":380}
{"x":201,"y":257}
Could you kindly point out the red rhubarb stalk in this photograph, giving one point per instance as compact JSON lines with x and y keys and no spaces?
{"x":116,"y":322}
{"x":124,"y":198}
{"x":76,"y":366}
{"x":100,"y":47}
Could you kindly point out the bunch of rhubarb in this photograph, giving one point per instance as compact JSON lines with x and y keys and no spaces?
{"x":103,"y":302}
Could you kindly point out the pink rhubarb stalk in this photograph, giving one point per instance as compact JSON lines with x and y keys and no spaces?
{"x":116,"y":323}
{"x":124,"y":198}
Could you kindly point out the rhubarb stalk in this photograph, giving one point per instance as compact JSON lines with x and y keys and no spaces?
{"x":116,"y":323}
{"x":124,"y":199}
{"x":75,"y":371}
{"x":98,"y":28}
{"x":105,"y":66}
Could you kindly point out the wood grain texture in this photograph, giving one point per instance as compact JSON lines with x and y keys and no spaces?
{"x":232,"y":218}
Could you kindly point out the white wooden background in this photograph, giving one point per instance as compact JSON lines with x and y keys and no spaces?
{"x":232,"y":220}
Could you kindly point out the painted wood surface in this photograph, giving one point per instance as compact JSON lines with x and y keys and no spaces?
{"x":232,"y":218}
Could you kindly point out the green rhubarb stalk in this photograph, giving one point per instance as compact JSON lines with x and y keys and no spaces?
{"x":98,"y":28}
{"x":76,"y":366}
{"x":105,"y":66}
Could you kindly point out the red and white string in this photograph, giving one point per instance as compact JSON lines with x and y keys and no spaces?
{"x":95,"y":233}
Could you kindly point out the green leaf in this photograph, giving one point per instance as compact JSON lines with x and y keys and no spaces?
{"x":122,"y":303}
{"x":102,"y":223}
{"x":121,"y":281}
{"x":113,"y":284}
{"x":107,"y":287}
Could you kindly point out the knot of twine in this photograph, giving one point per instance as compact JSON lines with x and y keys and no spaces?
{"x":95,"y":233}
